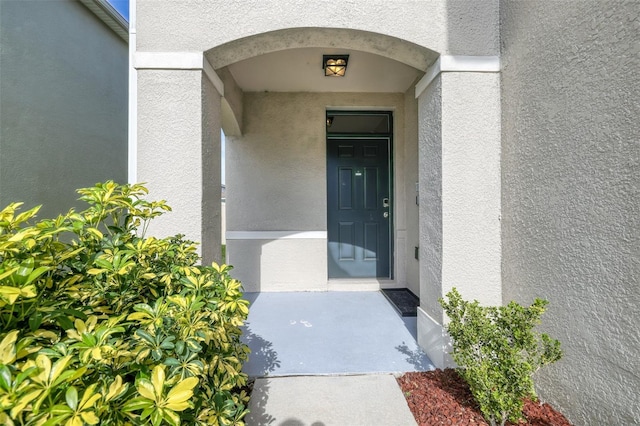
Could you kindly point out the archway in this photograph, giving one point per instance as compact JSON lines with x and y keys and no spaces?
{"x":275,"y":184}
{"x":446,"y":159}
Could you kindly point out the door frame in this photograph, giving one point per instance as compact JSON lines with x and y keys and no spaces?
{"x":380,"y":136}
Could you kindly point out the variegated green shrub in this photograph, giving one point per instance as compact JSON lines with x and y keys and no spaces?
{"x":100,"y":324}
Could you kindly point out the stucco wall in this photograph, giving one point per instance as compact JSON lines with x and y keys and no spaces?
{"x":460,"y":188}
{"x":210,"y":172}
{"x":429,"y":320}
{"x":411,"y":264}
{"x":276,"y":176}
{"x":63,"y":103}
{"x":446,"y":26}
{"x":471,"y":185}
{"x":459,"y":177}
{"x":279,"y":162}
{"x":571,"y":211}
{"x":179,"y":140}
{"x":296,"y":264}
{"x":430,"y":197}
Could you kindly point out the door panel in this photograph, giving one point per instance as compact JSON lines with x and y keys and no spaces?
{"x":371,"y":189}
{"x":358,"y":222}
{"x":346,"y":240}
{"x":345,"y":187}
{"x":371,"y":248}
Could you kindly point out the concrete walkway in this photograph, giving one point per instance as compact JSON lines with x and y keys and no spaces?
{"x":326,"y":358}
{"x":374,"y":400}
{"x":329,"y":333}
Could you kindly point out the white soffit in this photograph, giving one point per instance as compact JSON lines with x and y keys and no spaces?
{"x":457,"y":64}
{"x":107,"y":14}
{"x":300,"y":70}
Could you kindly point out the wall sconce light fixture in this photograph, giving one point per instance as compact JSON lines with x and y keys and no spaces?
{"x":334,"y":65}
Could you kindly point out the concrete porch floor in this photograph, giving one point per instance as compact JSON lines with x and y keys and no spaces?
{"x":329,"y":333}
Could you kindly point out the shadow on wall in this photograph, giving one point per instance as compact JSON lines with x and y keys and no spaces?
{"x":251,"y":258}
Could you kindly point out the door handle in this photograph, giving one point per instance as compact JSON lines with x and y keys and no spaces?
{"x":385,"y":202}
{"x":385,"y":215}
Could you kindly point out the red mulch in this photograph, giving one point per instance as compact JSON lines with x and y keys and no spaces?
{"x":442,"y":397}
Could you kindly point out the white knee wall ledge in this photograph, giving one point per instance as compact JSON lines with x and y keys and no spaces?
{"x":456,"y":63}
{"x":275,"y":235}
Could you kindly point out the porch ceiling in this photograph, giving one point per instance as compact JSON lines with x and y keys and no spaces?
{"x":300,"y":70}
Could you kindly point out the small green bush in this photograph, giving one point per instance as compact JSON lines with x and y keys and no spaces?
{"x":497,"y":352}
{"x":102,"y":325}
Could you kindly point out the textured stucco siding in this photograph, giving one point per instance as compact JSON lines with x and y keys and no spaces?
{"x":179,"y":140}
{"x":63,"y":103}
{"x":279,"y":265}
{"x":231,"y":103}
{"x":459,"y":162}
{"x":276,"y":174}
{"x":211,"y":179}
{"x":459,"y":195}
{"x":411,"y":264}
{"x":276,"y":171}
{"x":430,"y":197}
{"x":471,"y":185}
{"x":571,"y":209}
{"x":453,"y":26}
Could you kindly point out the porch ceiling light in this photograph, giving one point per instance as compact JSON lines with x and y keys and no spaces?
{"x":334,"y":65}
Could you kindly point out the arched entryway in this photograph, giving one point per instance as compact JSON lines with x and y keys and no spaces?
{"x":269,"y":93}
{"x":277,"y":164}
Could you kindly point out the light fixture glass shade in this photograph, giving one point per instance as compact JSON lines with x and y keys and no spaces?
{"x":335,"y":65}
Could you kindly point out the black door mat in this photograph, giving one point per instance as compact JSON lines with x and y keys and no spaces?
{"x":403,"y":300}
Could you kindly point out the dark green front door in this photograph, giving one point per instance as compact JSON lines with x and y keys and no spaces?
{"x":358,"y":208}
